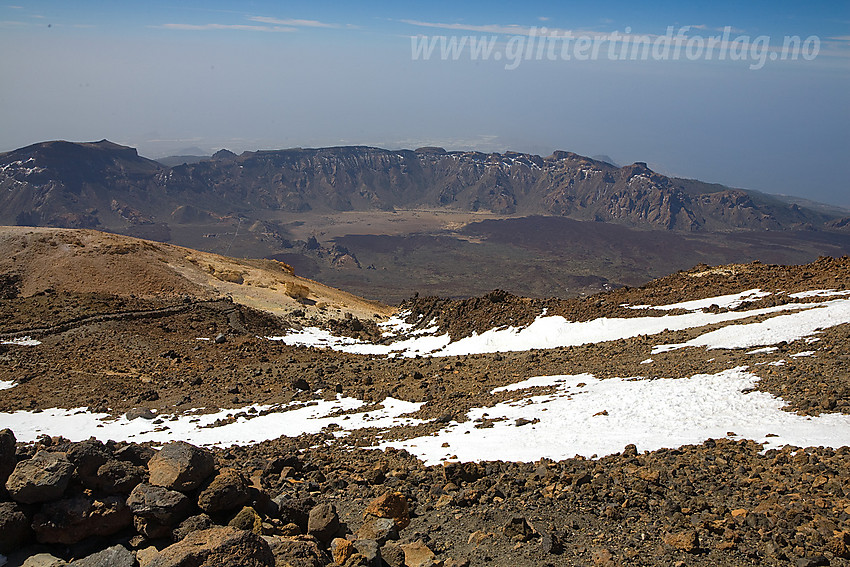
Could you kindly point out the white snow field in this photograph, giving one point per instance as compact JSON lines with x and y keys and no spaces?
{"x":723,"y":301}
{"x":23,"y":341}
{"x":577,"y":414}
{"x":78,"y":424}
{"x":603,"y":416}
{"x":787,"y":328}
{"x":555,"y":331}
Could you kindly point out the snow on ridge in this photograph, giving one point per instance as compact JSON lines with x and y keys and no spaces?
{"x":601,"y":417}
{"x":79,"y":424}
{"x":730,"y":301}
{"x":764,"y":350}
{"x":556,"y":331}
{"x":547,"y":332}
{"x":788,"y":328}
{"x":23,"y":341}
{"x":818,"y":293}
{"x":538,"y":381}
{"x":396,"y":324}
{"x":319,"y":338}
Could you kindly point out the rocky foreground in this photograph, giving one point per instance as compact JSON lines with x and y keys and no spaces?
{"x":298,"y":503}
{"x":331,"y":498}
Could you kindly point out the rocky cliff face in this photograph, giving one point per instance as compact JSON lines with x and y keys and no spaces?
{"x":67,"y":184}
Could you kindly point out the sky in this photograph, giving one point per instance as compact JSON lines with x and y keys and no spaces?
{"x":707,"y":92}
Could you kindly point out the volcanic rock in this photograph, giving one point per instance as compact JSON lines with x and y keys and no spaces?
{"x":7,"y":455}
{"x":157,"y":503}
{"x":115,"y":556}
{"x":41,"y":478}
{"x":301,"y":551}
{"x":180,"y":466}
{"x":323,"y":522}
{"x":14,"y":526}
{"x":118,"y":477}
{"x":227,"y":491}
{"x":390,"y":505}
{"x":73,"y":519}
{"x":191,"y":524}
{"x":217,"y":547}
{"x":417,"y":554}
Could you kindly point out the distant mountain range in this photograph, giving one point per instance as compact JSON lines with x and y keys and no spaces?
{"x":102,"y":184}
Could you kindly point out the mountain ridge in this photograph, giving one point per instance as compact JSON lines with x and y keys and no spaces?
{"x":103,"y":184}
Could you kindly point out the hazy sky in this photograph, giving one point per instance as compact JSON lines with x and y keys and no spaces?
{"x":601,"y":78}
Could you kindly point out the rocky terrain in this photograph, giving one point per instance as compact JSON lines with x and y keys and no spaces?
{"x":291,"y":503}
{"x":168,"y":353}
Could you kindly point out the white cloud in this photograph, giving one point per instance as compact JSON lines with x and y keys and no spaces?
{"x":513,"y":29}
{"x":506,"y":29}
{"x":262,"y":24}
{"x":235,"y":27}
{"x":293,"y":22}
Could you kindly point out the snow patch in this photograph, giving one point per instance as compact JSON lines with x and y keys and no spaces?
{"x":538,"y":381}
{"x":555,"y":331}
{"x":396,"y":325}
{"x":817,"y":293}
{"x":722,"y":301}
{"x":545,"y":332}
{"x":7,"y":384}
{"x":763,"y":350}
{"x":23,"y":341}
{"x":788,"y":328}
{"x":600,"y":417}
{"x":79,"y":424}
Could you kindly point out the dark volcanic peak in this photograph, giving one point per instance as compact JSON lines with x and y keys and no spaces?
{"x":224,"y":154}
{"x":104,"y":178}
{"x":69,"y":184}
{"x":61,"y":151}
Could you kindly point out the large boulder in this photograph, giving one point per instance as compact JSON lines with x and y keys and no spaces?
{"x":42,"y":478}
{"x":247,"y":519}
{"x":119,"y":477}
{"x":227,"y":491}
{"x":298,"y":551}
{"x":191,"y":524}
{"x":378,"y":529}
{"x":294,"y":510}
{"x":417,"y":554}
{"x":390,"y":505}
{"x":14,"y":527}
{"x":180,"y":466}
{"x":115,"y":556}
{"x":157,"y":502}
{"x":7,"y":455}
{"x":73,"y":519}
{"x":139,"y":455}
{"x":323,"y":522}
{"x":87,"y":457}
{"x":43,"y":560}
{"x":217,"y":547}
